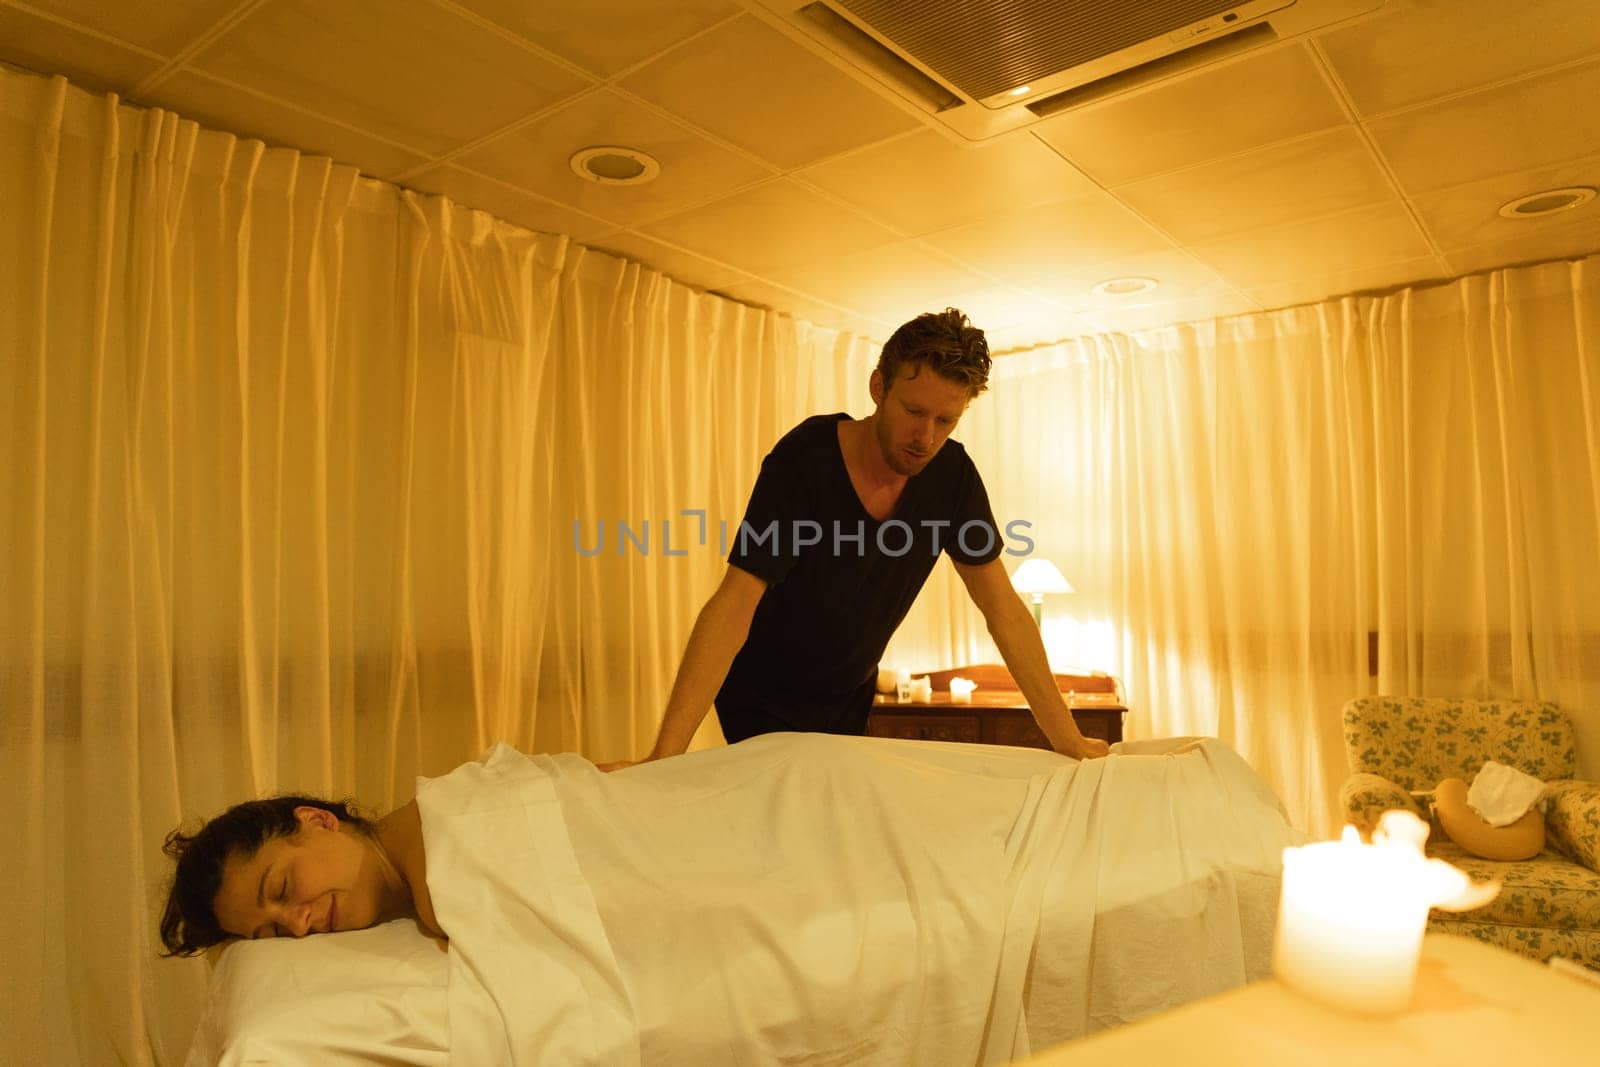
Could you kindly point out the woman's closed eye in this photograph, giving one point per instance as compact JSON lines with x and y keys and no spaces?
{"x":279,"y":896}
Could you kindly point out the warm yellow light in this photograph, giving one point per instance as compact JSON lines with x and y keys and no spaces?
{"x":1039,"y":576}
{"x":1021,"y":90}
{"x":1034,"y":579}
{"x":1351,"y":917}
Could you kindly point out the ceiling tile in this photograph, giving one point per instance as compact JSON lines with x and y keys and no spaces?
{"x":1525,"y":125}
{"x":404,"y":69}
{"x":1219,"y":111}
{"x":536,"y":157}
{"x":165,"y":28}
{"x":1317,"y":175}
{"x":1318,"y":288}
{"x":587,"y":34}
{"x":746,"y":82}
{"x":220,"y":106}
{"x":893,"y":282}
{"x":1566,"y":243}
{"x":677,"y":264}
{"x":1181,"y":277}
{"x":925,"y":181}
{"x":1412,"y":52}
{"x":1155,"y":316}
{"x":1008,"y":340}
{"x":772,"y":225}
{"x":1012,"y":319}
{"x":1030,"y":248}
{"x":1003,"y":307}
{"x":508,"y":203}
{"x":46,"y":47}
{"x":1468,"y":215}
{"x":1368,"y":237}
{"x":798,"y":306}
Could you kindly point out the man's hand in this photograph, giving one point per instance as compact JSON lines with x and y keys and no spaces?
{"x":1087,"y":748}
{"x":624,"y":764}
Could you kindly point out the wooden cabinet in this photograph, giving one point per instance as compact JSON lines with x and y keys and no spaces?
{"x":998,"y":715}
{"x":993,"y":718}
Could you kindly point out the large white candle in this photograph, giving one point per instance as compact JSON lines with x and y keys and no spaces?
{"x":1351,"y":916}
{"x":961,"y":690}
{"x":1350,"y":924}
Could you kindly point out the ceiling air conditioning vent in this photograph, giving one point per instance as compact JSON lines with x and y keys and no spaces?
{"x":866,"y":49}
{"x":1209,"y":51}
{"x":983,"y":67}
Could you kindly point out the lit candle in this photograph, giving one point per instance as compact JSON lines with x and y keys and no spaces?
{"x":1351,"y":917}
{"x":961,"y":690}
{"x":902,"y":685}
{"x":922,"y":690}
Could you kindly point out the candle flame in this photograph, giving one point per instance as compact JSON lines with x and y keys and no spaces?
{"x":1397,"y":858}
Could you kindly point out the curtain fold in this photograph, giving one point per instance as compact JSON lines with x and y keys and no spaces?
{"x":313,"y":483}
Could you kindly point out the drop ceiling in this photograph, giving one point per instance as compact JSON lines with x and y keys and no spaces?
{"x":1371,"y":154}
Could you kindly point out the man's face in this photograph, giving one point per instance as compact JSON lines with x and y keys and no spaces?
{"x":916,"y":414}
{"x":320,"y":879}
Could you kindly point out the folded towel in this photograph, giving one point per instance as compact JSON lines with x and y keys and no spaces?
{"x":1502,"y":795}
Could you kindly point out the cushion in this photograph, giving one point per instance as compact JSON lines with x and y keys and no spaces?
{"x":1575,"y":820}
{"x":359,"y":997}
{"x":1519,"y":840}
{"x":1534,"y":942}
{"x":1548,"y":890}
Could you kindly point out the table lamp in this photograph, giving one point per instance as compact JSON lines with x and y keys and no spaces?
{"x":1035,"y":578}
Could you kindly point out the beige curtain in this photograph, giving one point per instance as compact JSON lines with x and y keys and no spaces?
{"x":313,"y":484}
{"x":1240,"y":503}
{"x":291,"y":465}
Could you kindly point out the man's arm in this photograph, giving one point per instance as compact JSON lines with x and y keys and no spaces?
{"x":718,"y":634}
{"x":1017,"y":636}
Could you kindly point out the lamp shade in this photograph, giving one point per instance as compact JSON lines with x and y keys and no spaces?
{"x":1039,"y":576}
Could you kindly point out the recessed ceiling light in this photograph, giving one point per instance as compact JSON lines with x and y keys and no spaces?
{"x":1124,"y":286}
{"x":1022,"y":90}
{"x":614,"y":165}
{"x":1547,"y":203}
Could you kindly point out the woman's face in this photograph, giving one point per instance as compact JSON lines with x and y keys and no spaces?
{"x":323,"y":877}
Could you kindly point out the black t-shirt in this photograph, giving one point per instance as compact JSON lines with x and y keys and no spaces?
{"x":839,"y":581}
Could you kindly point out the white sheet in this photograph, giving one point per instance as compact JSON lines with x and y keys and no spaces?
{"x":811,"y":899}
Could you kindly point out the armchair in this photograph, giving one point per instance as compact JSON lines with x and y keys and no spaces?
{"x":1550,"y":904}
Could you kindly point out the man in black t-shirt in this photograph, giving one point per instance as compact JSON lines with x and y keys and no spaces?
{"x":846,"y":521}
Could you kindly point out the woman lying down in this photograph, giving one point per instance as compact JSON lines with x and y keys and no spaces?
{"x":795,"y":896}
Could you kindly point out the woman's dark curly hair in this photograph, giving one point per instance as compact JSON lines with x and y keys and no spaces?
{"x":946,"y":342}
{"x":189,"y":921}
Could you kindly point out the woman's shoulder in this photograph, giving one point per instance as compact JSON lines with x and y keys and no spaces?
{"x":400,"y":833}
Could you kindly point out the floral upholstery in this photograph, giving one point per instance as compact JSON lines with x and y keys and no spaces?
{"x":1417,"y":742}
{"x":1535,"y":942}
{"x":1546,"y":891}
{"x":1367,"y":796}
{"x":1548,"y":905}
{"x":1573,"y":820}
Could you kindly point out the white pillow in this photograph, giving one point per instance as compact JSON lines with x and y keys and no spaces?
{"x":362,"y":996}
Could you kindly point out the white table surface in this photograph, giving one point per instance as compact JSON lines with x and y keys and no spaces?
{"x":1473,"y":1004}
